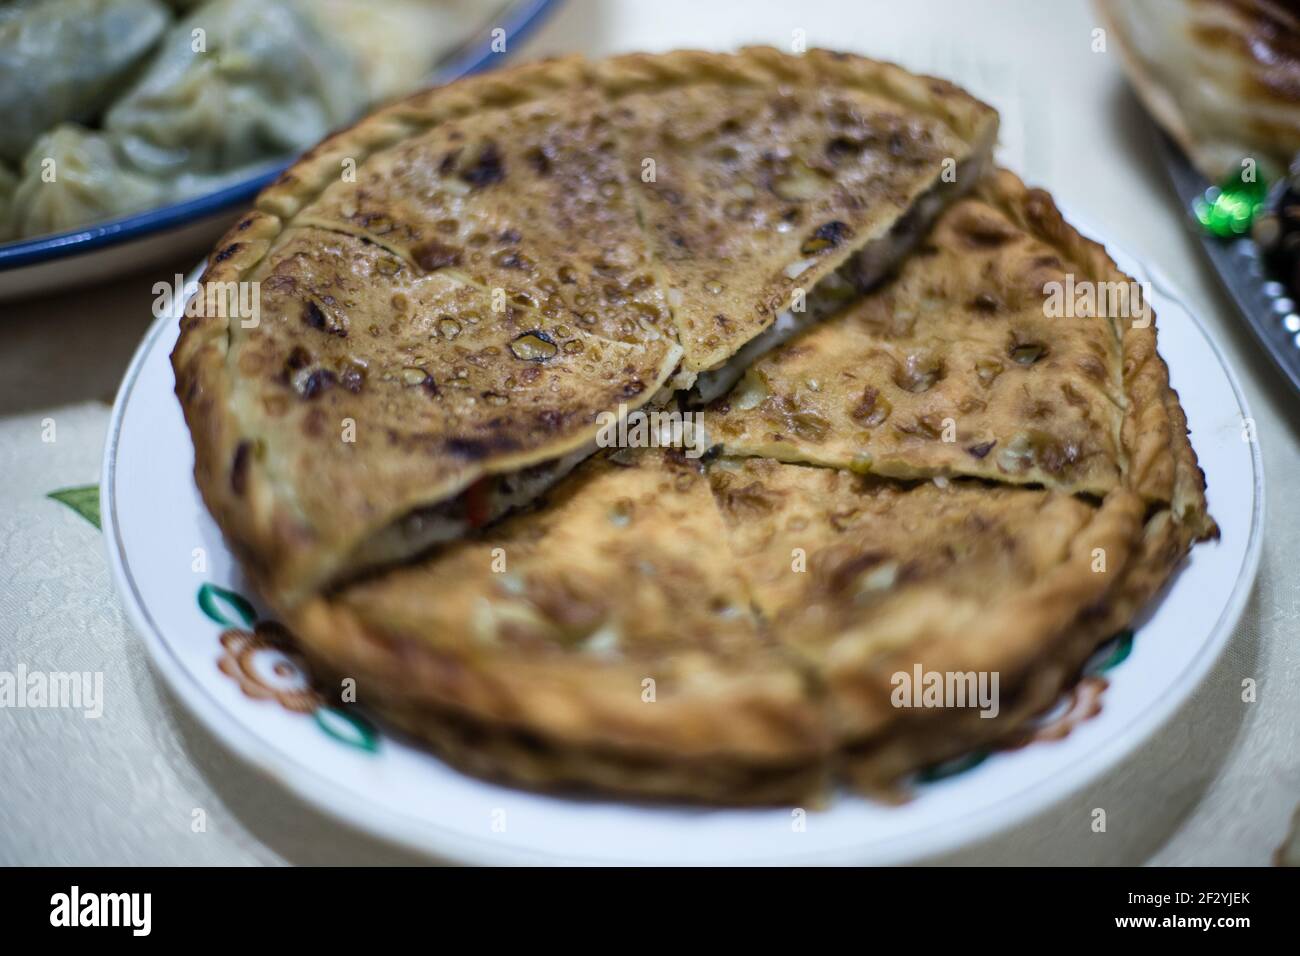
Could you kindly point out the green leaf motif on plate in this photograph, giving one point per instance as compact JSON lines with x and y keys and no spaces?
{"x":83,"y":499}
{"x":951,"y":768}
{"x":222,"y":606}
{"x":1113,"y":653}
{"x":351,"y":729}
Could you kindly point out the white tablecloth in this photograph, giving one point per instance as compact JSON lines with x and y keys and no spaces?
{"x":1218,"y":785}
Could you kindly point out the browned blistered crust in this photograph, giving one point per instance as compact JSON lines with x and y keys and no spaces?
{"x":514,"y":756}
{"x":824,"y":153}
{"x":622,"y":576}
{"x":273,"y":469}
{"x":954,"y":369}
{"x":645,"y":565}
{"x":962,"y":340}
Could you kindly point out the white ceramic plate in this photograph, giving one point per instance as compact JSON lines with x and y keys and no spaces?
{"x":252,"y":696}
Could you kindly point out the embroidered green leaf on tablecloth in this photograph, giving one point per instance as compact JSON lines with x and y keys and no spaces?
{"x":83,"y":499}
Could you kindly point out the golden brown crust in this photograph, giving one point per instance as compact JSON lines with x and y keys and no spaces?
{"x":1003,"y":580}
{"x":954,"y":368}
{"x":1160,"y":464}
{"x":421,"y":408}
{"x":958,"y":368}
{"x":511,"y":191}
{"x":204,"y":391}
{"x":1147,"y":434}
{"x":1092,"y":410}
{"x":1037,"y":661}
{"x":622,"y":578}
{"x":962,"y":578}
{"x":1162,"y":473}
{"x":1053,"y":607}
{"x":879,"y":762}
{"x":738,"y":222}
{"x":523,"y":759}
{"x":1037,"y":658}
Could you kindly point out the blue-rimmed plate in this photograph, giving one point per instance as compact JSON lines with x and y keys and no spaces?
{"x":108,"y":249}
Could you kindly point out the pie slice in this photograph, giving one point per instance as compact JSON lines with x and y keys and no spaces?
{"x":868,"y":579}
{"x":983,"y":358}
{"x":534,"y":200}
{"x":605,"y":638}
{"x":763,"y":174}
{"x":367,"y":390}
{"x":467,"y":277}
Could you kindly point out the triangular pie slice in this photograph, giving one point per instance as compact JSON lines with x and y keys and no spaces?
{"x":867,"y":579}
{"x":763,"y":174}
{"x":367,"y":396}
{"x":534,"y":200}
{"x":507,"y":206}
{"x":959,"y":366}
{"x":605,"y":638}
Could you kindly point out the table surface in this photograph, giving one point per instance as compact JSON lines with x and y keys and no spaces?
{"x":1218,"y":786}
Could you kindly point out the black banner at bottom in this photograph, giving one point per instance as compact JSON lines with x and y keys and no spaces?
{"x":337,"y":906}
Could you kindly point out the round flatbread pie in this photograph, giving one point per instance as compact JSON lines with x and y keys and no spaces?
{"x":919,"y":461}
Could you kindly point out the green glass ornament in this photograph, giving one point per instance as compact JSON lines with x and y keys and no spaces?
{"x":1228,"y":209}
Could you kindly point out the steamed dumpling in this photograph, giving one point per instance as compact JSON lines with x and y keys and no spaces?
{"x":231,"y":86}
{"x":65,"y":60}
{"x":237,"y":82}
{"x":72,"y":177}
{"x":397,"y":42}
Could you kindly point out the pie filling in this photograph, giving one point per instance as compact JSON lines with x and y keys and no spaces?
{"x":481,"y":503}
{"x":865,"y":269}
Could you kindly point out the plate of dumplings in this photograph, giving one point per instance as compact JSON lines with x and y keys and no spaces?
{"x":136,"y":130}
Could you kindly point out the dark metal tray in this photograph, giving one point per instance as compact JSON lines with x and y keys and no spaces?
{"x":1273,"y":316}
